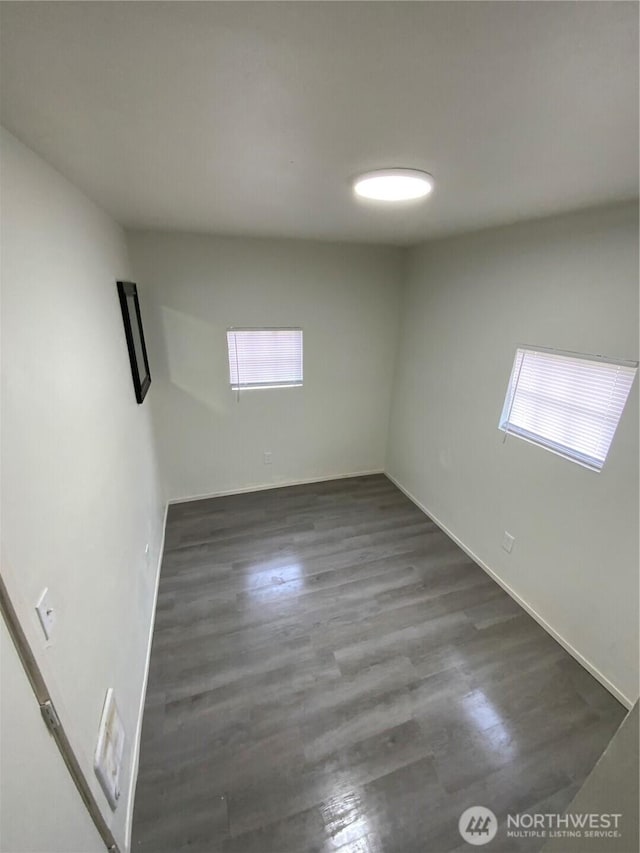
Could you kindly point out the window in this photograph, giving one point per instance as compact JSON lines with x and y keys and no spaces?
{"x":567,"y":402}
{"x":265,"y":358}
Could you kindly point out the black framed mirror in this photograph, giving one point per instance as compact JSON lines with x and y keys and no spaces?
{"x":130,"y":305}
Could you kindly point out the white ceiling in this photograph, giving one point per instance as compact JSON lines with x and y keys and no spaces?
{"x":251,"y":118}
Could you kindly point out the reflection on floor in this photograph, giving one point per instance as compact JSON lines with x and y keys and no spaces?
{"x":331,"y":673}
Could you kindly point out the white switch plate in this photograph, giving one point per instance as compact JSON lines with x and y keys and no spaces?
{"x":107,"y":761}
{"x":46,"y":613}
{"x":267,"y":457}
{"x":507,"y":542}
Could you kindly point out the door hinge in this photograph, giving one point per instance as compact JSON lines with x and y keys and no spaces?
{"x":50,"y":715}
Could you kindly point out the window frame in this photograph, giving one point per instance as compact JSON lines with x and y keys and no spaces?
{"x":589,"y":462}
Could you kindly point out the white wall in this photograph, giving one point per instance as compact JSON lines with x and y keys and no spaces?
{"x":32,"y":772}
{"x":79,"y":493}
{"x":570,"y":283}
{"x":346,"y":299}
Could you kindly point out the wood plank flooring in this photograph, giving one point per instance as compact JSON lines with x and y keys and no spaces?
{"x":330,"y":672}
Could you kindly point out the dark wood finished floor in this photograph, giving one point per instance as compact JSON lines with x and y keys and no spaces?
{"x":331,"y":673}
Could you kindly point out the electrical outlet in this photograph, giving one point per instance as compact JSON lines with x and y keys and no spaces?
{"x":46,"y":613}
{"x":267,"y":457}
{"x":507,"y":541}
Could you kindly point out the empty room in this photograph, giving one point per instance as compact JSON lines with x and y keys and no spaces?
{"x":319,"y":427}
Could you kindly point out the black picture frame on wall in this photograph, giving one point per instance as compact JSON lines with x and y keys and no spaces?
{"x":130,"y":305}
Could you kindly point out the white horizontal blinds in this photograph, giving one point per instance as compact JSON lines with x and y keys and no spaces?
{"x":264,"y":358}
{"x":569,"y":404}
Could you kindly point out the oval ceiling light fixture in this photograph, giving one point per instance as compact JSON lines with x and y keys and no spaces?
{"x":393,"y":184}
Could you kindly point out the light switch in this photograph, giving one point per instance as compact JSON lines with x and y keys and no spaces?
{"x":46,"y":613}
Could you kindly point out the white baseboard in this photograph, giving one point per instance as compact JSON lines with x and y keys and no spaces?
{"x":135,"y":762}
{"x":264,"y":486}
{"x":619,"y":695}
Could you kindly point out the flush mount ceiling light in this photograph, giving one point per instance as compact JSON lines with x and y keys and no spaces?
{"x":393,"y":184}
